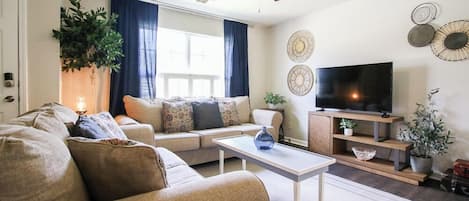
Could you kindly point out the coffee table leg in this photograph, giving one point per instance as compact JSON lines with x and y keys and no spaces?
{"x":222,"y":161}
{"x":321,"y":187}
{"x":243,"y":163}
{"x":296,"y":190}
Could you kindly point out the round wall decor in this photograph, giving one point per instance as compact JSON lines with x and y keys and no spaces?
{"x":451,"y":42}
{"x":424,"y":13}
{"x":421,"y":35}
{"x":300,"y":46}
{"x":300,"y":80}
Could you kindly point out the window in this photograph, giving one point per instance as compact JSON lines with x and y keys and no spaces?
{"x":189,"y":64}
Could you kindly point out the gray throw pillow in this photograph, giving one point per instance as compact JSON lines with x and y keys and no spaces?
{"x":86,"y":127}
{"x":206,"y":115}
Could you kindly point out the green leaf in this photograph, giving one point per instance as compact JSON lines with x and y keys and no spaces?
{"x":87,"y":38}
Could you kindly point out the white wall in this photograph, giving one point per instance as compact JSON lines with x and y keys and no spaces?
{"x":370,"y":31}
{"x":43,"y":52}
{"x":172,"y":19}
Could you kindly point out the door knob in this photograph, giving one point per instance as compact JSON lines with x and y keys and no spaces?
{"x":9,"y":99}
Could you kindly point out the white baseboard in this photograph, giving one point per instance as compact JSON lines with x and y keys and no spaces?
{"x":303,"y":143}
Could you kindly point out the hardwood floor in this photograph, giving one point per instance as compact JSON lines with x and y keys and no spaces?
{"x":428,"y":191}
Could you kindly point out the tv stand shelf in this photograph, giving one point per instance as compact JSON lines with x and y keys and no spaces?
{"x":325,"y":137}
{"x":390,"y":144}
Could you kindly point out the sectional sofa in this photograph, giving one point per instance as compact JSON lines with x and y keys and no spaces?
{"x":36,"y":164}
{"x":145,"y":118}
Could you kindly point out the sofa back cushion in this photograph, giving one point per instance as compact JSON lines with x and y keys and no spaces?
{"x":67,"y":115}
{"x":177,"y":116}
{"x":145,"y":111}
{"x":34,"y":165}
{"x":114,"y":168}
{"x":242,"y":106}
{"x":45,"y":119}
{"x":206,"y":115}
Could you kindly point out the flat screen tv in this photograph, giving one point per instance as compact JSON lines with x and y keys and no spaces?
{"x":362,"y":87}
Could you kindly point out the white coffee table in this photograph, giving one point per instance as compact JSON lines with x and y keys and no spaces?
{"x":295,"y":164}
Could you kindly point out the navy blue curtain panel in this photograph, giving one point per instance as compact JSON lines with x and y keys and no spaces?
{"x":137,"y":22}
{"x":236,"y":59}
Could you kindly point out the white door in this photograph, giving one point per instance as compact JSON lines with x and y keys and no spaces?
{"x":9,"y":106}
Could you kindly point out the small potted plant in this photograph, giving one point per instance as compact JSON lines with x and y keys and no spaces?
{"x":427,"y":133}
{"x":274,"y":101}
{"x":347,"y":125}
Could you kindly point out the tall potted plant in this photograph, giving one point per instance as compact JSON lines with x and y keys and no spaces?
{"x":274,"y":101}
{"x":87,"y":38}
{"x":428,"y":134}
{"x":88,"y":42}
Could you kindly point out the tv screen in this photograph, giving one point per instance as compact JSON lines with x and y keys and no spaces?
{"x":362,"y":87}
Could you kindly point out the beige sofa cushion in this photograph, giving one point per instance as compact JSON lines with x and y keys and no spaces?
{"x":145,"y":111}
{"x":242,"y":106}
{"x":177,"y":171}
{"x":49,"y":121}
{"x":170,"y":159}
{"x":35,"y":165}
{"x":178,"y":141}
{"x":45,"y":119}
{"x":206,"y":136}
{"x":182,"y":174}
{"x":251,"y":129}
{"x":114,"y":169}
{"x":67,"y":115}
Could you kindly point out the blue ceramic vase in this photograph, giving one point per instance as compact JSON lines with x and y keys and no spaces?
{"x":264,"y":140}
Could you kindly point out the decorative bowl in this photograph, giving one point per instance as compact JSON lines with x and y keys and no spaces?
{"x":363,"y":154}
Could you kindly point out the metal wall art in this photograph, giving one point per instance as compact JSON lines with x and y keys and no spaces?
{"x":300,"y":80}
{"x":425,"y":13}
{"x":451,"y":42}
{"x":300,"y":46}
{"x":421,"y":35}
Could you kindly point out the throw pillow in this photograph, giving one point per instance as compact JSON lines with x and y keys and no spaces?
{"x":45,"y":119}
{"x":206,"y":115}
{"x":229,"y":113}
{"x":144,"y":111}
{"x":34,"y":165}
{"x":114,"y":169}
{"x":49,"y":121}
{"x":177,"y":116}
{"x":242,"y":106}
{"x":64,"y":113}
{"x":108,"y":125}
{"x":86,"y":127}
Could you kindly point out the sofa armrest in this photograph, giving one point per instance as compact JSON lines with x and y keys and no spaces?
{"x":125,"y":120}
{"x":268,"y":118}
{"x":140,"y":132}
{"x":234,"y":186}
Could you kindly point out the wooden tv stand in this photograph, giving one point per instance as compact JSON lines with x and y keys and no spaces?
{"x":325,"y":137}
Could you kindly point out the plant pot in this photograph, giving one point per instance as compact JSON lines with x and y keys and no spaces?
{"x":274,"y":107}
{"x":348,"y":131}
{"x":420,"y":164}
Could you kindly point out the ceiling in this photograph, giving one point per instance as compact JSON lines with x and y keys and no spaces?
{"x":271,"y":12}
